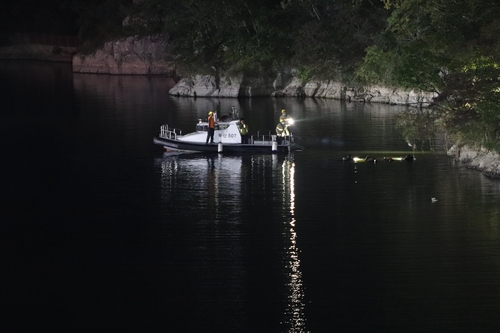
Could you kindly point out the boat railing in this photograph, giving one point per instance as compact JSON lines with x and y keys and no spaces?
{"x":267,"y":139}
{"x":169,"y":133}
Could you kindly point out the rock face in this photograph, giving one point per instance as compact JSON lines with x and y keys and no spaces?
{"x":242,"y":86}
{"x":152,"y":55}
{"x":136,"y":56}
{"x":483,"y":160}
{"x":227,"y":86}
{"x":325,"y":89}
{"x":338,"y":90}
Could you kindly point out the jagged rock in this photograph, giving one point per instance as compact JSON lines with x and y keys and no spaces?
{"x":229,"y":86}
{"x":151,"y":55}
{"x":293,"y":89}
{"x":320,"y":89}
{"x":226,"y":86}
{"x":255,"y":86}
{"x":334,"y":90}
{"x":379,"y":95}
{"x":132,"y":55}
{"x":483,"y":160}
{"x":338,"y":90}
{"x":205,"y":86}
{"x":398,"y":97}
{"x":283,"y":78}
{"x":242,"y":86}
{"x":311,"y":88}
{"x":183,"y":88}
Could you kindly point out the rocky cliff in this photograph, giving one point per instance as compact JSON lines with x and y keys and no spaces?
{"x":152,"y":55}
{"x":241,"y":86}
{"x":132,"y":56}
{"x":483,"y":160}
{"x":228,"y":86}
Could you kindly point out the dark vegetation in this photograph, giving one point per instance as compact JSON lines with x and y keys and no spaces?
{"x":450,"y":47}
{"x":38,"y":16}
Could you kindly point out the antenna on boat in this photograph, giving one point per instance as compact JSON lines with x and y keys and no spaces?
{"x":234,"y":114}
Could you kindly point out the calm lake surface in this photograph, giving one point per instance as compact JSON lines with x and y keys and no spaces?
{"x":100,"y":231}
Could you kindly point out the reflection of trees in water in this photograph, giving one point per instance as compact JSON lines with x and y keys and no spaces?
{"x":218,"y":185}
{"x":419,"y":127}
{"x":204,"y":181}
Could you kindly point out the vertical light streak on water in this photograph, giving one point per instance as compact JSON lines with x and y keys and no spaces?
{"x":294,"y":313}
{"x":88,"y":223}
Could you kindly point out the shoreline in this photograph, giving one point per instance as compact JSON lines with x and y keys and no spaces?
{"x":485,"y":161}
{"x":37,"y":52}
{"x":482,"y":160}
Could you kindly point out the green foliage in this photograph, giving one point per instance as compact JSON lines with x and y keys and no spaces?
{"x":377,"y":66}
{"x":304,"y":74}
{"x":418,"y":126}
{"x":331,"y":42}
{"x":100,"y":20}
{"x":328,"y":37}
{"x":471,"y":103}
{"x":448,"y":47}
{"x":43,"y":17}
{"x":240,"y":34}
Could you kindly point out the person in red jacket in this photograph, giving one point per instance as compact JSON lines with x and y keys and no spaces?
{"x":211,"y":127}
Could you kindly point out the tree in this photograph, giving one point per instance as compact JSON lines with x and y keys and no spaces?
{"x":331,"y":39}
{"x":241,"y":34}
{"x":30,"y":16}
{"x":448,"y":47}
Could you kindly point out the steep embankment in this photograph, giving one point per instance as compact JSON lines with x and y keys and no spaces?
{"x":151,"y":56}
{"x":483,"y":160}
{"x":132,"y":56}
{"x":287,"y":85}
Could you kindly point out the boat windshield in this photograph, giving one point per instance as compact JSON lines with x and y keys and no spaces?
{"x":201,"y":127}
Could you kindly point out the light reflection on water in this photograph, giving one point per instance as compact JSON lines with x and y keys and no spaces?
{"x":95,"y":215}
{"x":215,"y":184}
{"x":295,"y":315}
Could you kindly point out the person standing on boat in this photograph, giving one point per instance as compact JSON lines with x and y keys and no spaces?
{"x":243,"y":130}
{"x":282,"y":130}
{"x":211,"y":127}
{"x":283,"y":116}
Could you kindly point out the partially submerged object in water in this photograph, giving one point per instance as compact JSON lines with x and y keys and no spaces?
{"x":408,"y":158}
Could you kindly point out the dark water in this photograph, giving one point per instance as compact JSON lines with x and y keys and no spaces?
{"x":102,"y":232}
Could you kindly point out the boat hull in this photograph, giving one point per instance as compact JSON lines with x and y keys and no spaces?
{"x":259,"y":147}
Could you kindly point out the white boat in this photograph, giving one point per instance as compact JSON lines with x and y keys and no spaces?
{"x":227,"y":139}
